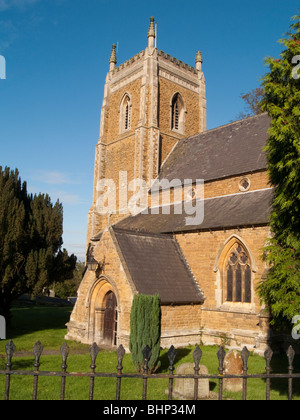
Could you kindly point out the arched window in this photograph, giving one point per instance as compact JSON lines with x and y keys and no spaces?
{"x":125,"y":113}
{"x":237,"y":275}
{"x":177,"y":113}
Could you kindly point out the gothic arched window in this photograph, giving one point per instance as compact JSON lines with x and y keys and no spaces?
{"x":237,"y":275}
{"x":177,"y":113}
{"x":125,"y":113}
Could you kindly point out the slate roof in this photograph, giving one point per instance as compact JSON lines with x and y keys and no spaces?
{"x":233,"y":149}
{"x":232,"y":211}
{"x":157,"y":265}
{"x":153,"y":257}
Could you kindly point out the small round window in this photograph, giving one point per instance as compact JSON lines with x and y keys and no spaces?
{"x":244,"y":184}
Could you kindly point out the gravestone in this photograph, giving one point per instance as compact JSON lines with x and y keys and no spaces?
{"x":233,"y":365}
{"x":2,"y":328}
{"x":184,"y":388}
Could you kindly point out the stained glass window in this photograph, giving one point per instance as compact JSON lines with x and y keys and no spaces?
{"x":238,"y":275}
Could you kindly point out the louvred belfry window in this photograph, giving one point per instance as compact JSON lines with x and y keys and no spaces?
{"x":238,"y":275}
{"x":177,"y":114}
{"x":127,"y":116}
{"x":125,"y":113}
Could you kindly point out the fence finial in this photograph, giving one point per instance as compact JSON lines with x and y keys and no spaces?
{"x":64,"y":350}
{"x":94,"y":351}
{"x":268,"y":356}
{"x":10,"y":348}
{"x":291,"y":355}
{"x":147,"y":353}
{"x":172,"y":353}
{"x":197,"y":356}
{"x":221,"y":356}
{"x":37,"y":351}
{"x":245,"y":356}
{"x":120,"y":354}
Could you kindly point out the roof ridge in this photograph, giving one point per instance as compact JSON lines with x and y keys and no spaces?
{"x":117,"y":229}
{"x":201,"y":133}
{"x":209,"y":198}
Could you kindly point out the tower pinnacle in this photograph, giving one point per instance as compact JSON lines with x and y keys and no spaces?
{"x":151,"y":33}
{"x":113,"y":58}
{"x":199,"y":61}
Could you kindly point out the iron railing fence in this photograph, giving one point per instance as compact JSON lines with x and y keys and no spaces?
{"x":146,"y":375}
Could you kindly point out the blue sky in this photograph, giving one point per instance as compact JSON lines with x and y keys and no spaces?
{"x":57,"y":54}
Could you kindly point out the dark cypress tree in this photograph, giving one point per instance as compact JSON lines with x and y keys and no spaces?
{"x":145,"y":329}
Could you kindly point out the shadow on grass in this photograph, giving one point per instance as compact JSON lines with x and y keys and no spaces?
{"x":279,"y":364}
{"x":27,"y":320}
{"x":164,"y":359}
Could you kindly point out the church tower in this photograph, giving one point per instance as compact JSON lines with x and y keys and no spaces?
{"x":150,"y":102}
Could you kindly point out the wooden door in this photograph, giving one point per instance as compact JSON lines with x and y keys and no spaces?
{"x":110,"y":325}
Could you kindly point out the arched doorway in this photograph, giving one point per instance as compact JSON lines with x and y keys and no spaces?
{"x":104,"y":308}
{"x":110,"y":320}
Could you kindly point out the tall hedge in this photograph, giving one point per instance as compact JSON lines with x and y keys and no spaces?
{"x":145,"y":329}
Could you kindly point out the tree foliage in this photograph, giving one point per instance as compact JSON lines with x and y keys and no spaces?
{"x":145,"y":329}
{"x":253,"y":101}
{"x":281,"y":290}
{"x":31,"y":258}
{"x":69,"y":287}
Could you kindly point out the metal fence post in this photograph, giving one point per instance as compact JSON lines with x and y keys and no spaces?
{"x":197,"y":355}
{"x":172,"y":356}
{"x":37,"y":351}
{"x":10,"y":349}
{"x":147,"y":353}
{"x":94,"y":350}
{"x":64,"y":354}
{"x":245,"y":356}
{"x":120,"y":356}
{"x":291,"y":354}
{"x":221,"y":356}
{"x":268,"y":357}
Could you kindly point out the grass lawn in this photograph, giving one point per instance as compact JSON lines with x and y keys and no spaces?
{"x":47,"y":324}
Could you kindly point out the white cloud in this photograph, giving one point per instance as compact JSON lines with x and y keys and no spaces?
{"x":63,"y":196}
{"x":59,"y":185}
{"x":8,"y":33}
{"x":20,"y":4}
{"x":54,"y":177}
{"x":77,"y":249}
{"x":67,"y":198}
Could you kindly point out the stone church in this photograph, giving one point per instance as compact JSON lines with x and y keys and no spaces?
{"x":153,"y":131}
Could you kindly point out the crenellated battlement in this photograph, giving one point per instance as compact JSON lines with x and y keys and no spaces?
{"x":179,"y":63}
{"x":160,"y":54}
{"x":129,"y":62}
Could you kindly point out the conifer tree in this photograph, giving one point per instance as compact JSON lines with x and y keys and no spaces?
{"x":281,"y":290}
{"x":31,"y":258}
{"x":46,"y":262}
{"x":14,"y":239}
{"x":145,"y":329}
